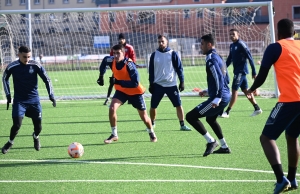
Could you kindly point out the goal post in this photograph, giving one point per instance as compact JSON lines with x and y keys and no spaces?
{"x":71,"y":44}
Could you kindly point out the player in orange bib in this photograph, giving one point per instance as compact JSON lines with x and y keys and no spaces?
{"x":128,"y":88}
{"x":284,"y":55}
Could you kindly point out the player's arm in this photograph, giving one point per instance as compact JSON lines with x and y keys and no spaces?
{"x":132,"y":55}
{"x":5,"y":81}
{"x":250,"y":59}
{"x":102,"y":69}
{"x":151,"y":69}
{"x":270,"y":57}
{"x":229,"y":58}
{"x":44,"y":76}
{"x":177,"y":66}
{"x":218,"y":79}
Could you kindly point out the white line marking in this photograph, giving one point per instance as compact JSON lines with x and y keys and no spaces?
{"x":103,"y":181}
{"x":142,"y":164}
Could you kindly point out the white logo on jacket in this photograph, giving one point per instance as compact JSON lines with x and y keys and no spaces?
{"x":31,"y":70}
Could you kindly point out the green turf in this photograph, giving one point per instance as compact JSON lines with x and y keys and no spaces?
{"x":82,"y":83}
{"x":174,"y":164}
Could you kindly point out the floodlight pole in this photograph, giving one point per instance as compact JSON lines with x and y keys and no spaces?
{"x":29,"y":25}
{"x":110,"y":34}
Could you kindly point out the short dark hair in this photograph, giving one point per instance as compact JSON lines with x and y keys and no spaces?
{"x":209,"y":38}
{"x":233,"y":30}
{"x":24,"y":49}
{"x":118,"y":47}
{"x":285,"y":28}
{"x":162,"y":36}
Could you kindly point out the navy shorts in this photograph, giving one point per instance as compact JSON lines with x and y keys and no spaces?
{"x":159,"y":92}
{"x":205,"y":109}
{"x":137,"y":101}
{"x":33,"y":111}
{"x":284,"y":116}
{"x":239,"y":81}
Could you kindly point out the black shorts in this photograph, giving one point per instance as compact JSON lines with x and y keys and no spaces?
{"x":285,"y":116}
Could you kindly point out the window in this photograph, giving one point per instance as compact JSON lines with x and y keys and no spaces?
{"x":36,"y":2}
{"x":51,"y":17}
{"x":23,"y":20}
{"x":22,"y":2}
{"x":51,"y":1}
{"x":296,"y":12}
{"x":37,"y":32}
{"x":186,"y":13}
{"x":37,"y":18}
{"x":129,"y":17}
{"x":51,"y":30}
{"x":67,"y":30}
{"x":80,"y":29}
{"x":80,"y":1}
{"x":146,"y":17}
{"x":65,"y":1}
{"x":196,"y":0}
{"x":96,"y":17}
{"x":80,"y":16}
{"x":7,"y":2}
{"x":112,"y":16}
{"x":199,"y":13}
{"x":66,"y":17}
{"x":23,"y":31}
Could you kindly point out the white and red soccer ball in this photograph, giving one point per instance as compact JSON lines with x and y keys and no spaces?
{"x":75,"y":150}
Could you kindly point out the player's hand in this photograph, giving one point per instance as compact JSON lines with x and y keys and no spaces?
{"x":113,"y":80}
{"x":53,"y":101}
{"x":249,"y":94}
{"x":253,"y":76}
{"x":203,"y":93}
{"x":8,"y":97}
{"x":181,"y":86}
{"x":151,"y":89}
{"x":100,"y":81}
{"x":216,"y":102}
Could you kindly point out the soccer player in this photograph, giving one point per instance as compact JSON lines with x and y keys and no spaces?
{"x":285,"y":116}
{"x":129,"y":53}
{"x":26,"y":98}
{"x":164,"y":65}
{"x":219,"y":97}
{"x":128,"y":87}
{"x":238,"y":55}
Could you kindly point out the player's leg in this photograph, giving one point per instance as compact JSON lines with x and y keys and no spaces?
{"x":202,"y":110}
{"x":138,"y":102}
{"x":236,"y":82}
{"x":173,"y":95}
{"x":37,"y":123}
{"x":110,"y":87}
{"x":157,"y":94}
{"x":212,"y":121}
{"x":118,"y":99}
{"x":292,"y":134}
{"x":277,"y":122}
{"x":34,"y":111}
{"x":244,"y":88}
{"x":18,"y":112}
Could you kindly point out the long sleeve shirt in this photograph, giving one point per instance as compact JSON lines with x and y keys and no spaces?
{"x":26,"y":81}
{"x":131,"y":68}
{"x":217,"y":76}
{"x":164,"y":65}
{"x":238,"y":55}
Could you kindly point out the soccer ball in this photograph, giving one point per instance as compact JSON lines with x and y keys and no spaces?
{"x":75,"y":150}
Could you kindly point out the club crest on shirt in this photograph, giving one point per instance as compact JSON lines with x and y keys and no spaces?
{"x":31,"y":70}
{"x":235,"y":47}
